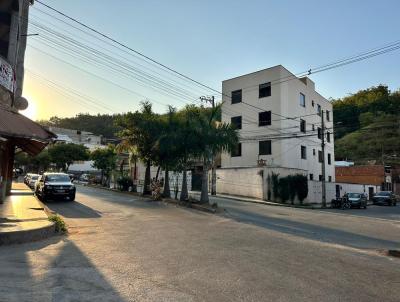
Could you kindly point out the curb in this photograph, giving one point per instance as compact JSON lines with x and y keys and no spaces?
{"x":195,"y":206}
{"x":27,"y":235}
{"x":170,"y":201}
{"x":268,"y":203}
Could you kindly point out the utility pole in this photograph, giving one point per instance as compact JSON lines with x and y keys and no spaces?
{"x":211,"y":100}
{"x":323,"y":159}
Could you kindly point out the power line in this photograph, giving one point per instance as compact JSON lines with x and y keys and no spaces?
{"x":356,"y":58}
{"x":125,"y":46}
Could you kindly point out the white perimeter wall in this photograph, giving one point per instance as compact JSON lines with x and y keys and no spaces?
{"x":357,"y":188}
{"x":246,"y":182}
{"x":252,"y":183}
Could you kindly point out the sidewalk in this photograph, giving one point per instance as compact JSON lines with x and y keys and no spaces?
{"x":23,"y":218}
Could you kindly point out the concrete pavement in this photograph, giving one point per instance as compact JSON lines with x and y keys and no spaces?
{"x":23,"y":217}
{"x":121,"y":248}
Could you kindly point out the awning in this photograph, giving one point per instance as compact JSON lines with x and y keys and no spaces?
{"x":26,"y":134}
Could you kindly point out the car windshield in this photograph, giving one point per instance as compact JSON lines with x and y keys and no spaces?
{"x":354,"y":195}
{"x":58,"y":178}
{"x":34,"y":177}
{"x":383,"y":194}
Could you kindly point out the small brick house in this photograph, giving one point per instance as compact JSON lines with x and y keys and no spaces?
{"x":386,"y":177}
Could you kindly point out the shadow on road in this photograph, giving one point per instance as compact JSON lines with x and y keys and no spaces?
{"x":51,"y":270}
{"x":311,"y":231}
{"x":72,"y":209}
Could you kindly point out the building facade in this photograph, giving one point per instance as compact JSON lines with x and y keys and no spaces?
{"x":16,"y":131}
{"x":279,"y":119}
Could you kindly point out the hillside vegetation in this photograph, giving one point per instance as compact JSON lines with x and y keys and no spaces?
{"x":100,"y":124}
{"x":367,"y":126}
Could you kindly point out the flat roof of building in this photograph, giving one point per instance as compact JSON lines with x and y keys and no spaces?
{"x":272,"y":67}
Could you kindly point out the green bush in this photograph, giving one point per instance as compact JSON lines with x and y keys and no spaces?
{"x":285,"y":188}
{"x":60,"y":225}
{"x":301,"y":185}
{"x":275,"y":185}
{"x":124,"y":182}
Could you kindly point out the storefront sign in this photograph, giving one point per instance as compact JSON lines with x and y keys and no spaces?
{"x":6,"y":75}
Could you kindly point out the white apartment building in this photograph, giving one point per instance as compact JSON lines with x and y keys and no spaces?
{"x":270,"y":108}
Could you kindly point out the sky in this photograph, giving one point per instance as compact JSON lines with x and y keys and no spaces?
{"x":209,"y":41}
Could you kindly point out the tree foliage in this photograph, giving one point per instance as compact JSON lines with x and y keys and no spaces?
{"x":366,"y":126}
{"x":100,"y":124}
{"x":63,"y":155}
{"x":104,"y":159}
{"x":175,"y":139}
{"x":142,"y":129}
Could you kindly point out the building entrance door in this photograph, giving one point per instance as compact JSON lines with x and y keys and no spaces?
{"x":370,"y":193}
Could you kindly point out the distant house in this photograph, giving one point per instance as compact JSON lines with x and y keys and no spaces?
{"x":367,"y":178}
{"x":73,"y":136}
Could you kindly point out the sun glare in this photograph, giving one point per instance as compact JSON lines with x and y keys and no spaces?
{"x":31,"y":111}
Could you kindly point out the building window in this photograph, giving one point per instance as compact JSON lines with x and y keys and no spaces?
{"x":236,"y":152}
{"x":311,"y":176}
{"x":330,"y":178}
{"x":313,"y":152}
{"x":320,"y":156}
{"x":320,"y":177}
{"x":264,"y":118}
{"x":264,"y":90}
{"x":313,"y":127}
{"x":302,"y":125}
{"x":312,"y":103}
{"x":302,"y":100}
{"x":319,"y":109}
{"x":319,"y":133}
{"x":328,"y":137}
{"x":329,"y":159}
{"x":328,"y":116}
{"x":236,"y":122}
{"x":264,"y":148}
{"x":236,"y":96}
{"x":303,"y":152}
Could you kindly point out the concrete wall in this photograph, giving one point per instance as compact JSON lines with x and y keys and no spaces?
{"x":315,"y":192}
{"x":246,"y":182}
{"x":253,"y":183}
{"x":357,"y":188}
{"x":173,"y":177}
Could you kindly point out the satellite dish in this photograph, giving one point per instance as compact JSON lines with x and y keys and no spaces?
{"x":21,"y":103}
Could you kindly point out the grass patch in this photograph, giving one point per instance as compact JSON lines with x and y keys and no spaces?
{"x":61,"y":227}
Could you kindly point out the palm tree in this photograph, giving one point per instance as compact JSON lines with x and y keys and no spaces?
{"x":187,"y":148}
{"x":214,"y":137}
{"x":142,"y":129}
{"x":167,"y":146}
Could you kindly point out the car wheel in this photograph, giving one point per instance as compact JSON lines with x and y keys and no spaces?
{"x":72,"y":197}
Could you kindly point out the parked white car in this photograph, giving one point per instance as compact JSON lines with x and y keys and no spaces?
{"x":32,"y":180}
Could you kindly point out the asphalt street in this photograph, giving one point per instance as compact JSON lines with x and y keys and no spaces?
{"x":124,"y":248}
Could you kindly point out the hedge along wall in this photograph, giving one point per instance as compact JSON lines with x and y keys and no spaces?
{"x":280,"y":184}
